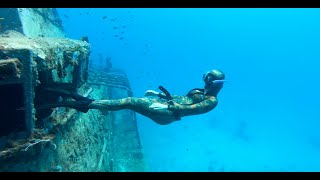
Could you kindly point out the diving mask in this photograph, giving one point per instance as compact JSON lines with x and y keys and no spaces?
{"x":209,"y":78}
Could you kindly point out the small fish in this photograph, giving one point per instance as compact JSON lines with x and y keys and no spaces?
{"x":1,"y":18}
{"x":116,"y":35}
{"x":104,"y":17}
{"x":121,"y":38}
{"x":121,"y":32}
{"x":113,"y":19}
{"x":66,"y":16}
{"x":124,"y":26}
{"x":115,"y":27}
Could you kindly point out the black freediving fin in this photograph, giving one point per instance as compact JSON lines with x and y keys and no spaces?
{"x":79,"y":105}
{"x":71,"y":94}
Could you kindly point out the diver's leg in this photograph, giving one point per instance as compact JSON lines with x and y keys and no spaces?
{"x":124,"y":103}
{"x":112,"y":104}
{"x":140,"y":105}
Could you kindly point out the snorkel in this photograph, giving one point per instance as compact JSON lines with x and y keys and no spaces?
{"x":218,"y":81}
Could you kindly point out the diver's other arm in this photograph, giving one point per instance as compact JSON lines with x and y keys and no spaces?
{"x":198,"y":108}
{"x":151,"y":93}
{"x":155,"y":93}
{"x":159,"y":94}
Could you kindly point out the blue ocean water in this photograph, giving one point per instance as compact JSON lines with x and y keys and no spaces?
{"x":268,"y":114}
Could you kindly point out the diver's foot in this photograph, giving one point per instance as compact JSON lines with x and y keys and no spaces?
{"x":82,"y":105}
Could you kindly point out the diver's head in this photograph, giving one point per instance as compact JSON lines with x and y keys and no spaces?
{"x":213,"y":80}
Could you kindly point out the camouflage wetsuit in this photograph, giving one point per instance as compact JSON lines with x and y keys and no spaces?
{"x":182,"y":106}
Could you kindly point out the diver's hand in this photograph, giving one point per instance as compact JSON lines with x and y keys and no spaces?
{"x":157,"y":106}
{"x":151,"y":93}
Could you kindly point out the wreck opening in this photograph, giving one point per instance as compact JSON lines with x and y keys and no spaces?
{"x":12,"y":119}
